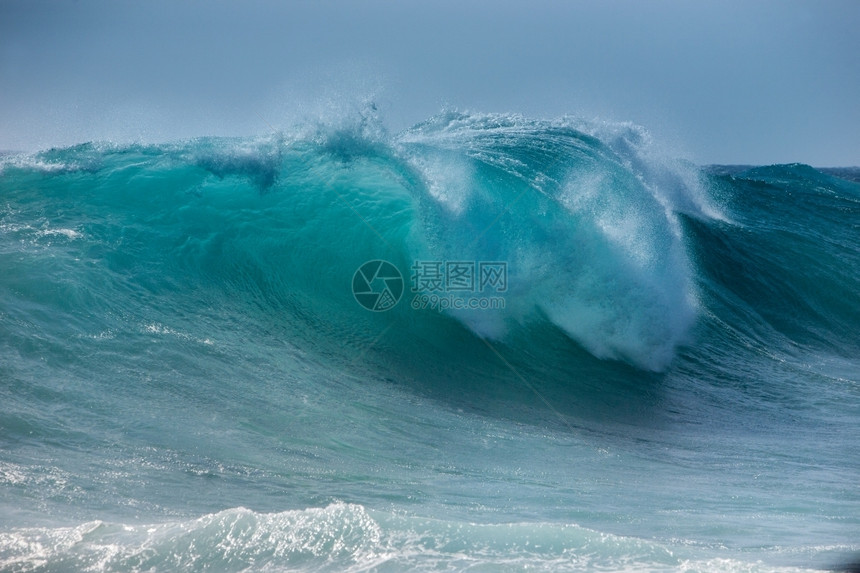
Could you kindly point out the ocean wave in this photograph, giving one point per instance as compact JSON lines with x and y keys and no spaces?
{"x":587,"y":227}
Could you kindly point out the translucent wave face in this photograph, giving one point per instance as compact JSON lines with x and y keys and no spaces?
{"x":590,"y":235}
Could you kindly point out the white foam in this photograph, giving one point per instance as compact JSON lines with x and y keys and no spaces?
{"x":593,"y":239}
{"x":349,"y":538}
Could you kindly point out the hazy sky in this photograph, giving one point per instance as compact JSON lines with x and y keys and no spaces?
{"x":720,"y":82}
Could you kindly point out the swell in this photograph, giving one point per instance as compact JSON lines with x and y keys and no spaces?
{"x":782,"y":275}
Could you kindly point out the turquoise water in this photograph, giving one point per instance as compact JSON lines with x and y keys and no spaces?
{"x":666,"y":381}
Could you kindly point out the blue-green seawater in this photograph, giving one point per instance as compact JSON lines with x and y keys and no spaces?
{"x":187,"y":381}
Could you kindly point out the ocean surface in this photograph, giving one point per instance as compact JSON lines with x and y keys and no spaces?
{"x":486,"y":343}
